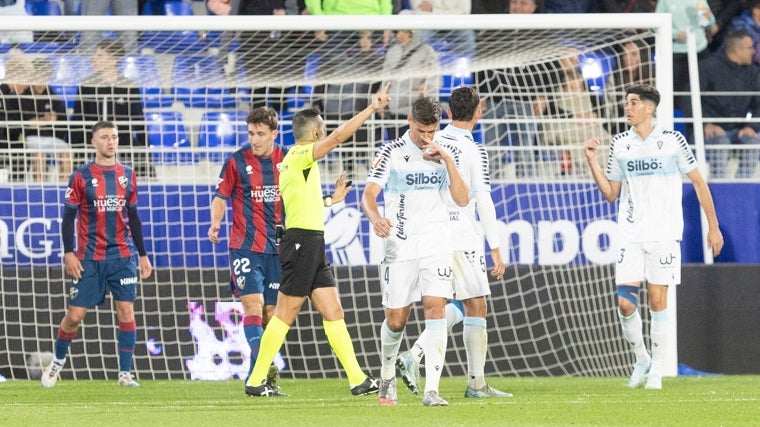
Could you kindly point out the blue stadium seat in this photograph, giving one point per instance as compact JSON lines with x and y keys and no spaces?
{"x":68,"y":73}
{"x":457,"y":72}
{"x":190,"y":76}
{"x":285,"y":129}
{"x":166,"y":131}
{"x":299,"y":96}
{"x":43,"y":8}
{"x":187,"y":42}
{"x":5,"y":47}
{"x":596,"y":68}
{"x":143,"y":70}
{"x":222,"y":129}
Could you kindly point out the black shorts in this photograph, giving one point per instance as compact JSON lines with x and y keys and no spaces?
{"x":304,"y":263}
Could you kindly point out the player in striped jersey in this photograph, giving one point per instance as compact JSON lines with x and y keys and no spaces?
{"x":644,"y":169}
{"x":103,"y":196}
{"x":250,"y":179}
{"x":468,"y":224}
{"x":417,"y":178}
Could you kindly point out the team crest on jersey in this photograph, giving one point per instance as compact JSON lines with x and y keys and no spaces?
{"x":240,"y":282}
{"x":659,"y":144}
{"x":73,"y":292}
{"x":123,"y":181}
{"x":94,"y":182}
{"x":248,"y":169}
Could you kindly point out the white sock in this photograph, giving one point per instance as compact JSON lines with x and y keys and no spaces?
{"x":434,"y":346}
{"x":658,"y":333}
{"x":476,"y":346}
{"x":390,"y":342}
{"x":418,"y":349}
{"x":453,"y":316}
{"x":634,"y":334}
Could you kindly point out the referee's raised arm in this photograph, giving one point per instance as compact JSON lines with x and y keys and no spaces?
{"x":347,"y":129}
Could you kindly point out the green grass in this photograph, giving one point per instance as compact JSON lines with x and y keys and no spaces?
{"x":684,"y":401}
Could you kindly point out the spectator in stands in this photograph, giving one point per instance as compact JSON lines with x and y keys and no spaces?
{"x":99,"y":8}
{"x":461,"y":42}
{"x":526,"y":6}
{"x":725,"y":11}
{"x":735,"y":61}
{"x":749,"y":22}
{"x":12,"y":91}
{"x":574,"y":100}
{"x":687,"y":14}
{"x":45,"y":115}
{"x":409,"y":55}
{"x":633,"y":67}
{"x":108,"y":94}
{"x":348,"y":7}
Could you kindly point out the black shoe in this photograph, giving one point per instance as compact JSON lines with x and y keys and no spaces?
{"x":370,"y":385}
{"x":264,"y":390}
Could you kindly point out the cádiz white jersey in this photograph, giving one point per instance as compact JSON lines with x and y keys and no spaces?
{"x":472,"y":163}
{"x":414,"y":192}
{"x":651,"y":172}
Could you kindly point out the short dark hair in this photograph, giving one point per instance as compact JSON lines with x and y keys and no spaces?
{"x":645,"y":92}
{"x":464,"y":102}
{"x":732,"y":38}
{"x":426,"y":111}
{"x":115,"y":48}
{"x":304,"y":122}
{"x":263,"y":116}
{"x":103,"y":124}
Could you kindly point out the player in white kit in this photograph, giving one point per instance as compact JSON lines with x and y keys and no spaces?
{"x":644,"y":168}
{"x":417,"y":178}
{"x":468,"y":224}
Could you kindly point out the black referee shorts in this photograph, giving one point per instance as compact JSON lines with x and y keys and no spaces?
{"x":304,"y":263}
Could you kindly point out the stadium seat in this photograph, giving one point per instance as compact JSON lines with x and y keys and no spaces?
{"x":43,"y":8}
{"x":299,"y":96}
{"x":190,"y":76}
{"x":68,"y":73}
{"x":285,"y":129}
{"x":143,"y":70}
{"x":456,"y":72}
{"x":222,"y":129}
{"x":187,"y":42}
{"x":166,"y":131}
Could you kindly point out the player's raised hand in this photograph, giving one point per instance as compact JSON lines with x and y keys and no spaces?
{"x":381,"y":99}
{"x":591,"y":147}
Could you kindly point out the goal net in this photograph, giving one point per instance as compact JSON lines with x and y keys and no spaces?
{"x":179,"y":90}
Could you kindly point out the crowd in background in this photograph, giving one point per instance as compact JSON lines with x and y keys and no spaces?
{"x":713,"y":23}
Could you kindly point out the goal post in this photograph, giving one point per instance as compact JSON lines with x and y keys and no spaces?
{"x":195,"y":77}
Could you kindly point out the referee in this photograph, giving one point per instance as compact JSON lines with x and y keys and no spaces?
{"x":305,"y":270}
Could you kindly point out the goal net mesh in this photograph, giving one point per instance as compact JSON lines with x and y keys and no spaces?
{"x":180,"y":99}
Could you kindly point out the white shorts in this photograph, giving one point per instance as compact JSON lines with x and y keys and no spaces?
{"x":406,"y":282}
{"x":658,"y":263}
{"x":470,"y":275}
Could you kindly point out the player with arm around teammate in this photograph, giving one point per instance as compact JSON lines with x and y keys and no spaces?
{"x":644,"y":171}
{"x":468,"y":225}
{"x":305,"y":270}
{"x":103,"y":194}
{"x":250,"y":179}
{"x":417,"y":178}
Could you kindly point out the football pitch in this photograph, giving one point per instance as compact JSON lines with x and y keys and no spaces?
{"x":683,"y":401}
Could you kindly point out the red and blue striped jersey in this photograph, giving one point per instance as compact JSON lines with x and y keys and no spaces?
{"x":102,"y":196}
{"x":252,"y":182}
